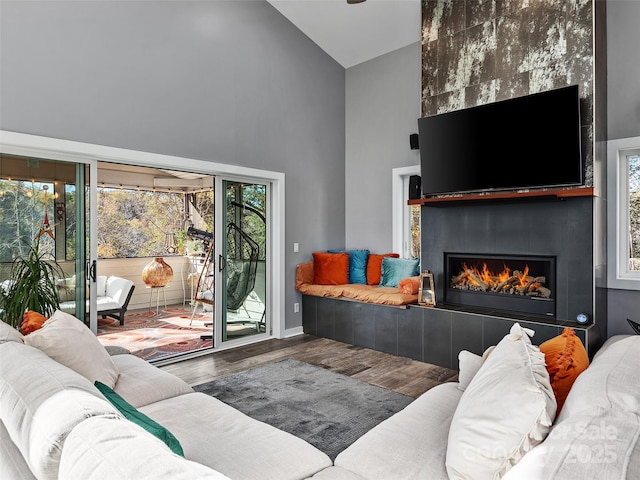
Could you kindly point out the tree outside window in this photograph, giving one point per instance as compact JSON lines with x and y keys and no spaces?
{"x":634,"y":211}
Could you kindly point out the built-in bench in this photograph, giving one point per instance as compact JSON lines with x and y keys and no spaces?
{"x":430,"y":334}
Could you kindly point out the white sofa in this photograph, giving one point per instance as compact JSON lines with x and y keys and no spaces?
{"x":55,"y":424}
{"x":113,"y":295}
{"x":595,"y":436}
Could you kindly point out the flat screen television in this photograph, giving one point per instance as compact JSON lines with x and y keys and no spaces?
{"x":522,"y":143}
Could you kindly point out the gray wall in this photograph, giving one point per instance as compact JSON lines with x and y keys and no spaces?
{"x":226,"y":81}
{"x":382,"y":110}
{"x":623,"y":112}
{"x":623,"y":53}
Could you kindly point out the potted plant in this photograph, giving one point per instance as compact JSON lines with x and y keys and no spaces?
{"x":32,"y":286}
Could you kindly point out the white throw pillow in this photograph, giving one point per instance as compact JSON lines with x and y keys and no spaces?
{"x":505,"y":411}
{"x":469,"y":364}
{"x":68,"y":341}
{"x":9,"y":334}
{"x":101,"y":286}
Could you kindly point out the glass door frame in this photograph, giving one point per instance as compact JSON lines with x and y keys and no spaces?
{"x":57,"y":149}
{"x":43,"y":148}
{"x":220,"y":237}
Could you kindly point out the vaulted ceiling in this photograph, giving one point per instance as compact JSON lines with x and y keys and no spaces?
{"x":354,"y":33}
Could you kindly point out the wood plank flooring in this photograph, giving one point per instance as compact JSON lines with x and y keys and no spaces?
{"x":400,"y":374}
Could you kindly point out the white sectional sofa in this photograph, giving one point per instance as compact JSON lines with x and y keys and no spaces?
{"x":56,"y":425}
{"x":595,"y":436}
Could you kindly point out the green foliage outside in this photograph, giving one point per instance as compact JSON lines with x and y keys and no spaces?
{"x":22,"y":212}
{"x":246,"y":206}
{"x":634,"y":211}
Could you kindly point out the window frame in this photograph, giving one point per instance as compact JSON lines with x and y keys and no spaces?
{"x":619,"y":276}
{"x":401,"y":221}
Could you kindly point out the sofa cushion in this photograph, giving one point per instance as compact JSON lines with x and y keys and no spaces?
{"x":379,"y":295}
{"x":68,"y":341}
{"x":12,"y":464}
{"x":330,"y":268}
{"x":395,"y":269}
{"x":611,"y":381}
{"x":117,"y":289}
{"x":101,"y":286}
{"x":102,"y":448}
{"x":374,"y":266}
{"x":215,"y":434}
{"x":141,"y":383}
{"x":131,"y":413}
{"x":410,"y":444}
{"x":598,"y":443}
{"x":566,"y":358}
{"x":336,"y":473}
{"x":9,"y":334}
{"x":357,"y":264}
{"x":41,"y":401}
{"x":505,"y":411}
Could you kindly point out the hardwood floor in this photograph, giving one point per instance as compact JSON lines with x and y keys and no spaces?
{"x":400,"y":374}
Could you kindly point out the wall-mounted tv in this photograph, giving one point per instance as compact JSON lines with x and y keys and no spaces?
{"x":521,"y":143}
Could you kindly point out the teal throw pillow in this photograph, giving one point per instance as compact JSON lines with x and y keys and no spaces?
{"x":357,"y":264}
{"x":139,"y":418}
{"x":395,"y":269}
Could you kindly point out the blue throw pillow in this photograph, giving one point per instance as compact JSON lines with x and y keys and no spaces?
{"x":395,"y":269}
{"x":357,"y":264}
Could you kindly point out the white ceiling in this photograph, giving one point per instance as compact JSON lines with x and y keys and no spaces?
{"x":352,"y":34}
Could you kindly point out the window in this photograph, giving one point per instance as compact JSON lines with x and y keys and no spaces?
{"x":136,"y":223}
{"x":23,"y":205}
{"x":406,"y":218}
{"x":624,"y":213}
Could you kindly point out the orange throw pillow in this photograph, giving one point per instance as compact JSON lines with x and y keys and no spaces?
{"x":409,"y":285}
{"x":566,"y":358}
{"x":374,"y":267}
{"x":330,"y":268}
{"x":31,"y":321}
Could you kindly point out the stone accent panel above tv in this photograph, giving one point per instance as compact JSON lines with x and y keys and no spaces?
{"x":481,"y":51}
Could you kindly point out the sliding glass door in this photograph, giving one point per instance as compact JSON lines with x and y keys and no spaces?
{"x":243,"y":261}
{"x":44,"y":207}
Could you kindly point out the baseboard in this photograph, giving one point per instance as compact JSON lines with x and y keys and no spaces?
{"x":292,"y":332}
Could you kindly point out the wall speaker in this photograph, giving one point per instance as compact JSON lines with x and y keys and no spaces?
{"x":415,"y":187}
{"x":413,"y":141}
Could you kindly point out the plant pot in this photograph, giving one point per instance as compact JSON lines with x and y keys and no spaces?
{"x":157,"y":273}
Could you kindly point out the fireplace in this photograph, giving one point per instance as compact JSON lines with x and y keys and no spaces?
{"x":509,"y":283}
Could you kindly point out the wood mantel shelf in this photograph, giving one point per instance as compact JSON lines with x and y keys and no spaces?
{"x":557,"y":193}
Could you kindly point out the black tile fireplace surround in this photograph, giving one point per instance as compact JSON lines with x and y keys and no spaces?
{"x":562,"y":230}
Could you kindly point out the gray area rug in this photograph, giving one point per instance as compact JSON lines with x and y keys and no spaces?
{"x":329,"y":410}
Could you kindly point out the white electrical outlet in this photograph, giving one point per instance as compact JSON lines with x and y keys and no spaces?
{"x":296,"y":307}
{"x":296,"y":247}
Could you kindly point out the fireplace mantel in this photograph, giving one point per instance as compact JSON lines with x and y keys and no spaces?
{"x":551,"y":193}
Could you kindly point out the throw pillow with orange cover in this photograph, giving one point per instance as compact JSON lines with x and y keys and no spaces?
{"x":31,"y":321}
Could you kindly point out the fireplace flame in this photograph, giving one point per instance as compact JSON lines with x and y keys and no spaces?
{"x":491,"y":279}
{"x":506,"y":281}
